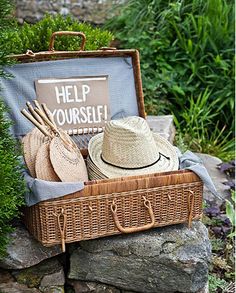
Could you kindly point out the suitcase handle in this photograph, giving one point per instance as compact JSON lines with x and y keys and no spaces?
{"x":147,"y":204}
{"x":65,"y":33}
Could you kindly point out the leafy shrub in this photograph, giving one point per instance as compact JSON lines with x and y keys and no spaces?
{"x":215,"y":284}
{"x":6,"y":19}
{"x":196,"y":129}
{"x":186,"y":47}
{"x":11,"y":182}
{"x":36,"y":37}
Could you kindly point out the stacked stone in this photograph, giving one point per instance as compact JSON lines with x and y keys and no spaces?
{"x":93,"y":11}
{"x":160,"y":260}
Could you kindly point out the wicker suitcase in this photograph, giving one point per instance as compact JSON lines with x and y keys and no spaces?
{"x":112,"y":206}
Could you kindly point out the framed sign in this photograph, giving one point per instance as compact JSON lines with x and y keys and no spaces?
{"x":76,"y":103}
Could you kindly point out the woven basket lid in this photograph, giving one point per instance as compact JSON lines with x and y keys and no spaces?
{"x":67,"y":161}
{"x":43,"y":166}
{"x":27,"y":156}
{"x":128,"y":147}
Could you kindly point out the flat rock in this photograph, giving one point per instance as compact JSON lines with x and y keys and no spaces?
{"x":162,"y":260}
{"x":45,"y":274}
{"x":24,"y":251}
{"x":52,"y":289}
{"x":211,"y":163}
{"x":89,"y":287}
{"x":5,"y":276}
{"x":54,"y":279}
{"x":93,"y":287}
{"x":16,"y":288}
{"x":163,"y":125}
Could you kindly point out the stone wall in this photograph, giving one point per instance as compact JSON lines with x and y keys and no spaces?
{"x":164,"y":260}
{"x":94,"y":11}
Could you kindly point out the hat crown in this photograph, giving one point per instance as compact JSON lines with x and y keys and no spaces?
{"x":129,"y":143}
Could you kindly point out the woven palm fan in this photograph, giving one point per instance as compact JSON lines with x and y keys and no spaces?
{"x":31,"y":142}
{"x":26,"y":154}
{"x":66,"y":158}
{"x":35,"y":140}
{"x":67,"y":161}
{"x":43,"y":166}
{"x":59,"y":158}
{"x":48,"y":120}
{"x":40,"y":146}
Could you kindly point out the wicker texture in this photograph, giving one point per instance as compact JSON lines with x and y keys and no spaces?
{"x":81,"y":216}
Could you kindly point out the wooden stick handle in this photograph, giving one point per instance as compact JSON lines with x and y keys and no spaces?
{"x":53,"y":126}
{"x":35,"y":122}
{"x":48,"y":113}
{"x":37,"y":105}
{"x":46,"y":120}
{"x":34,"y":114}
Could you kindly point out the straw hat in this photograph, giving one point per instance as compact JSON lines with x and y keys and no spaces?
{"x":93,"y":171}
{"x":128,"y":147}
{"x":67,"y":161}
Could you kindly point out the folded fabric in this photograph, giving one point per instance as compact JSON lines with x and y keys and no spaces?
{"x":190,"y":161}
{"x":40,"y":190}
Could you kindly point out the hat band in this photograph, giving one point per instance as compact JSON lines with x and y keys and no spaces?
{"x":146,"y":166}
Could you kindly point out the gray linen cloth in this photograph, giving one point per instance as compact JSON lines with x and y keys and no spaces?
{"x":40,"y":190}
{"x":190,"y":161}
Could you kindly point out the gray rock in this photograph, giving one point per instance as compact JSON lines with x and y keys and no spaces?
{"x":16,"y":288}
{"x":88,"y":287}
{"x":95,"y":11}
{"x":5,"y":276}
{"x":217,"y":177}
{"x":55,"y":279}
{"x":45,"y":274}
{"x":24,"y":251}
{"x":164,"y":125}
{"x":160,"y":260}
{"x":52,"y":289}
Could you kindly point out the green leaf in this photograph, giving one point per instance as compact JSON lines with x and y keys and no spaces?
{"x":230,"y":212}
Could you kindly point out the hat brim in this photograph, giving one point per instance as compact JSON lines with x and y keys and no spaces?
{"x":110,"y":171}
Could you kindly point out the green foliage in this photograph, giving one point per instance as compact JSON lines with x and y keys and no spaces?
{"x":217,"y":244}
{"x":11,"y":182}
{"x":230,"y":213}
{"x":6,"y":12}
{"x":215,"y":283}
{"x":186,"y":47}
{"x":6,"y":21}
{"x":36,"y":37}
{"x":196,"y":129}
